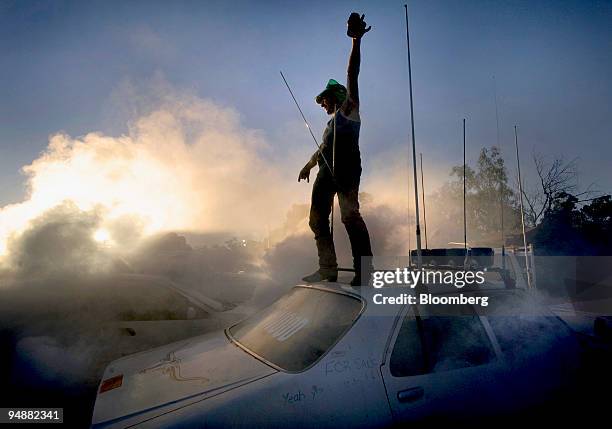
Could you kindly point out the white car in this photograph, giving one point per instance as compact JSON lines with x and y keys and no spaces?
{"x":326,"y":356}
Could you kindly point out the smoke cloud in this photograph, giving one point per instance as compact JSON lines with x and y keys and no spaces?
{"x":186,"y":165}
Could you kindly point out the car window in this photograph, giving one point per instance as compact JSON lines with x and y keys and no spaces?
{"x":295,"y":331}
{"x":432,"y":343}
{"x":407,"y":357}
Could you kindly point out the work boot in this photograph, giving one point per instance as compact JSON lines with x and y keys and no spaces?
{"x":321,"y":276}
{"x":367,"y":275}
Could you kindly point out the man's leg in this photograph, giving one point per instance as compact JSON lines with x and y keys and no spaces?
{"x":358,"y":234}
{"x":323,"y":192}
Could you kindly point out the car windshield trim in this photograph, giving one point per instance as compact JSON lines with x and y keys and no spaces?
{"x":257,"y":356}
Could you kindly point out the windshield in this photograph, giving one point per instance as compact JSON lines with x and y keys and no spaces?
{"x":295,"y":331}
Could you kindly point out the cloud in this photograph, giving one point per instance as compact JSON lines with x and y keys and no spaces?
{"x":59,"y":241}
{"x":187,"y":164}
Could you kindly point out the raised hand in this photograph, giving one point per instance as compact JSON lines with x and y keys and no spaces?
{"x":356,"y":26}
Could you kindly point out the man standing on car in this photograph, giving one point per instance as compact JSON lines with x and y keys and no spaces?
{"x":339,"y":173}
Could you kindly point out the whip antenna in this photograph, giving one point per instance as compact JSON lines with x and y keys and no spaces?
{"x":520,"y":184}
{"x":423,"y":198}
{"x":414,"y":163}
{"x":501,"y":184}
{"x":465,"y":249}
{"x":307,"y":125}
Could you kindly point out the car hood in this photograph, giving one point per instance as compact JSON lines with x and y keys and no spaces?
{"x":171,"y":376}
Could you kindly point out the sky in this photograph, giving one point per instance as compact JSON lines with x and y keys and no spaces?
{"x":78,"y":67}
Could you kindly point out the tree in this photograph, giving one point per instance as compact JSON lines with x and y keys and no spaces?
{"x":492,"y":189}
{"x":597,"y":224}
{"x":556,"y":178}
{"x":487,"y":192}
{"x":567,"y":229}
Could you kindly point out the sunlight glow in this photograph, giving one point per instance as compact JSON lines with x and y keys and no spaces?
{"x":101,"y":236}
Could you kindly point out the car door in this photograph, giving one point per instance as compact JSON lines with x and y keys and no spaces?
{"x":440,"y":363}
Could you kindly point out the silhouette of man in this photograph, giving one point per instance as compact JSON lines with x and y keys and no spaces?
{"x":340,"y":153}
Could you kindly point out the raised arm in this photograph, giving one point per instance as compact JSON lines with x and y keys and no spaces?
{"x":353,"y":71}
{"x":356,"y":30}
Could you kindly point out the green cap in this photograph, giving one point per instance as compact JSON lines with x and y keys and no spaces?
{"x":335,"y":89}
